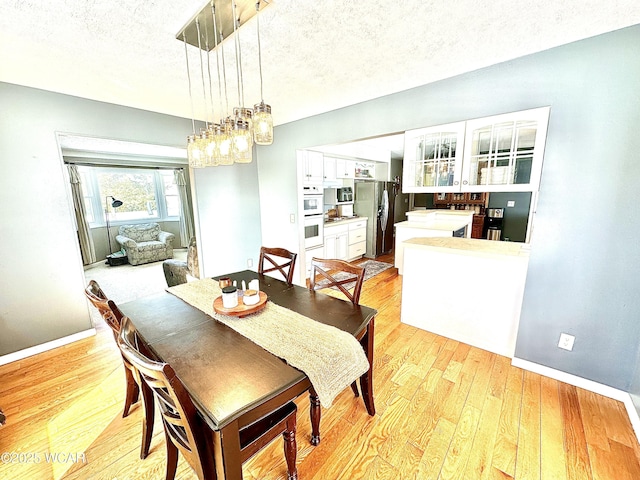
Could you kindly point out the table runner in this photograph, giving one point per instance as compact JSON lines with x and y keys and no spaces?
{"x":331,"y":358}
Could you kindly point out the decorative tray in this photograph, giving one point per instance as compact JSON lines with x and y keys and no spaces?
{"x":241,"y":310}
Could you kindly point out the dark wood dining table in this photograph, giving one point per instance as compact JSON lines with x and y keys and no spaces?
{"x":233,"y":381}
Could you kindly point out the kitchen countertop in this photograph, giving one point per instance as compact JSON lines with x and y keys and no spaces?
{"x":442,"y":224}
{"x":470,"y":246}
{"x":343,"y":220}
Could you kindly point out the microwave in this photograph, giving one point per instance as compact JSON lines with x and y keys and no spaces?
{"x":336,"y":196}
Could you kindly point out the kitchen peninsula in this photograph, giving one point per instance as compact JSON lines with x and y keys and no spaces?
{"x":430,"y":223}
{"x":465,"y":289}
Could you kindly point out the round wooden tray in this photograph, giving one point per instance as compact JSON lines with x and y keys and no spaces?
{"x":241,"y":310}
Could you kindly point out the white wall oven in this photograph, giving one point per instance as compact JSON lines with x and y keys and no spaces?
{"x":313,"y":231}
{"x":312,"y":199}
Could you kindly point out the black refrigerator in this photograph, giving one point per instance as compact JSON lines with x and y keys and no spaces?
{"x":376,"y":200}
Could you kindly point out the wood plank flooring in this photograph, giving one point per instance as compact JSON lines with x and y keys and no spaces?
{"x":445,"y":410}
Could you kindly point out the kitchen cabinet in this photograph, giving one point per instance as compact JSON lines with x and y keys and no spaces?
{"x":346,"y":240}
{"x":504,"y":152}
{"x":345,"y":168}
{"x":501,"y":153}
{"x":336,"y":241}
{"x":477,"y":226}
{"x":357,"y":239}
{"x":330,"y":170}
{"x":461,"y":200}
{"x":433,"y":158}
{"x":317,"y":252}
{"x":312,"y":168}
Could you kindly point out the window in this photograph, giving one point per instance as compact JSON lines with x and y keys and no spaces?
{"x":146,"y":194}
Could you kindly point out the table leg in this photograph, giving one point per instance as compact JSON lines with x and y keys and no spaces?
{"x":314,"y":413}
{"x":226,"y":452}
{"x":366,"y":380}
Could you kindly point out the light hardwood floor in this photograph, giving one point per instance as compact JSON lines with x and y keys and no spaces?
{"x":445,"y":410}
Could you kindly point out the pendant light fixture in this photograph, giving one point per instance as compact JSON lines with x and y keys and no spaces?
{"x":262,"y":119}
{"x":231,"y":140}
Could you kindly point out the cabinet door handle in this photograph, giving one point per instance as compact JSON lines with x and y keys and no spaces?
{"x":456,"y":182}
{"x":465,"y":183}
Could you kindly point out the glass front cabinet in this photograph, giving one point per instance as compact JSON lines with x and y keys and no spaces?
{"x":499,"y":153}
{"x":433,"y":159}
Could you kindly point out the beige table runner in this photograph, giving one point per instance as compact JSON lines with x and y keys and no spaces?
{"x":331,"y":358}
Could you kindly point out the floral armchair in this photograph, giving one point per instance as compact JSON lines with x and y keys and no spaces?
{"x":145,"y":242}
{"x":177,"y":272}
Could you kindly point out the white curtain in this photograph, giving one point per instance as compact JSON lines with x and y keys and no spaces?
{"x":84,"y":234}
{"x":186,"y":217}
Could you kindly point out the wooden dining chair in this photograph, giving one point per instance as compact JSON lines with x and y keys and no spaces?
{"x":184,"y":429}
{"x":113,"y":317}
{"x":280,"y":259}
{"x":326,"y":271}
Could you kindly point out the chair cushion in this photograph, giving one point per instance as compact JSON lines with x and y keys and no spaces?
{"x":143,"y":232}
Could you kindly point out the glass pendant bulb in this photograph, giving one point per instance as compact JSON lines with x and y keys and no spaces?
{"x":194,"y":154}
{"x":262,"y":124}
{"x":223,"y":141}
{"x":211,"y":154}
{"x":242,"y":142}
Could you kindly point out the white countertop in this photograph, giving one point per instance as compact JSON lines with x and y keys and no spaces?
{"x":470,"y":246}
{"x":437,"y":212}
{"x":343,"y":221}
{"x":444,"y":224}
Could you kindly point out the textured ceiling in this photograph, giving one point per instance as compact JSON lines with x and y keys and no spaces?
{"x":317,"y":55}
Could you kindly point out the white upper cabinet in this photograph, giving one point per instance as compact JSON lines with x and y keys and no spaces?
{"x":345,"y":168}
{"x":312,"y":168}
{"x":504,"y":153}
{"x":432,"y":159}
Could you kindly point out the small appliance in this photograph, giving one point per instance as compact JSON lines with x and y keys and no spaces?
{"x":344,"y":194}
{"x":345,"y":210}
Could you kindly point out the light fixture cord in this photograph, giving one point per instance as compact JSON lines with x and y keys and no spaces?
{"x":204,"y":90}
{"x":193,"y":120}
{"x":259,"y":49}
{"x":215,"y":36}
{"x":224,"y":74}
{"x":238,"y":56}
{"x":206,"y":42}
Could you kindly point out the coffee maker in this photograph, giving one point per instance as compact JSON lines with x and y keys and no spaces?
{"x":493,"y":224}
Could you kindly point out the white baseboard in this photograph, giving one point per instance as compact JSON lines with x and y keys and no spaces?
{"x":27,"y":352}
{"x":590,"y":385}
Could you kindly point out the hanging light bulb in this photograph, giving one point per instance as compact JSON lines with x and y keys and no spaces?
{"x":262,"y":119}
{"x":223,"y":139}
{"x":194,"y":153}
{"x":242,"y":141}
{"x":211,"y":152}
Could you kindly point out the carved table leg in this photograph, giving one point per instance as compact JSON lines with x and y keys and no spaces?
{"x":314,"y":413}
{"x":291,"y":448}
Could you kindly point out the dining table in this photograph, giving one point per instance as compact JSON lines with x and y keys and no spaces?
{"x":232,"y":380}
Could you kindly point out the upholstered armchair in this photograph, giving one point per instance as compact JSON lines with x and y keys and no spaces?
{"x":177,"y":272}
{"x":145,"y":243}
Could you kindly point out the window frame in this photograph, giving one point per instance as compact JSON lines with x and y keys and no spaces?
{"x":95,"y":196}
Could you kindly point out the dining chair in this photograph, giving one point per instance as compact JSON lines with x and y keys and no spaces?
{"x":280,"y":259}
{"x":184,"y":429}
{"x":113,"y":317}
{"x":327,"y":271}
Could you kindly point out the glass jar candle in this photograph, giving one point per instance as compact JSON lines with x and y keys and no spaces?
{"x":230,"y":297}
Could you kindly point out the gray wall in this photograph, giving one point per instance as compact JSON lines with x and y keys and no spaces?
{"x":41,"y":274}
{"x":582,"y":276}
